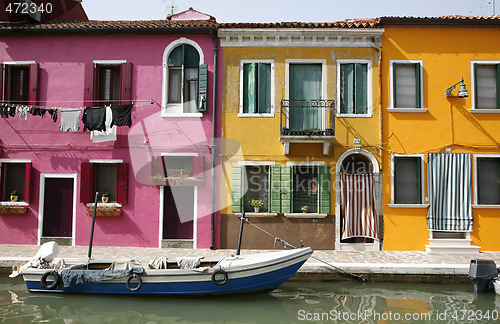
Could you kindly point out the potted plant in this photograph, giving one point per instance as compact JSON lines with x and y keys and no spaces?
{"x":305,"y":209}
{"x":105,"y":197}
{"x":14,"y":196}
{"x":256,"y":203}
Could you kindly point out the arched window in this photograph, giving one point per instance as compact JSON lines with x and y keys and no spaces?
{"x":186,"y":80}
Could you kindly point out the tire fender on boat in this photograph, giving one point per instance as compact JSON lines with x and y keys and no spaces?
{"x":219,"y":272}
{"x":139,"y":282}
{"x":55,"y":283}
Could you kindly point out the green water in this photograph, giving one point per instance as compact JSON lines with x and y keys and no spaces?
{"x":294,"y":302}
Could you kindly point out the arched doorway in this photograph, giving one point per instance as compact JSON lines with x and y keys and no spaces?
{"x":357,"y":202}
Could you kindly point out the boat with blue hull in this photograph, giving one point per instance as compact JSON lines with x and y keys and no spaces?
{"x":234,"y":274}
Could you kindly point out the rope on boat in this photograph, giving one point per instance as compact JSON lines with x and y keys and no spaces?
{"x":288,"y":245}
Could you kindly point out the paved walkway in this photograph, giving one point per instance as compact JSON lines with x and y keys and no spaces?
{"x":384,"y":265}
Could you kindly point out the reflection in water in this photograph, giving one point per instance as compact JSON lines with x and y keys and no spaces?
{"x":294,"y":302}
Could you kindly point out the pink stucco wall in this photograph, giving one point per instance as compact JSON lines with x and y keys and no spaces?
{"x":61,"y":82}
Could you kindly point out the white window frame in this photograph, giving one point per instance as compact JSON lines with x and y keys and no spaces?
{"x":393,"y":204}
{"x":257,"y":164}
{"x":392,"y":85}
{"x":16,"y":203}
{"x":474,"y":86}
{"x":369,"y":92}
{"x":475,"y":180}
{"x":105,"y":161}
{"x":240,"y":111}
{"x":164,"y":93}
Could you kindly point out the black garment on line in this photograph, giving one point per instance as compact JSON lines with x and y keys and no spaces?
{"x":94,"y":119}
{"x":122,"y":115}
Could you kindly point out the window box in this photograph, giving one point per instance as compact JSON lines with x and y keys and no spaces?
{"x":177,"y":170}
{"x":104,"y":211}
{"x":13,"y":209}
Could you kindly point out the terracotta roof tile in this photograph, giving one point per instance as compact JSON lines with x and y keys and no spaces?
{"x":104,"y":25}
{"x":348,"y":23}
{"x":452,"y":20}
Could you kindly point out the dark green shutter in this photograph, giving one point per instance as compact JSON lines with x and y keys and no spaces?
{"x":498,"y":86}
{"x":476,"y":87}
{"x":478,"y":172}
{"x":264,"y":88}
{"x":237,"y":188}
{"x":202,"y":87}
{"x":324,"y":196}
{"x":418,"y":97}
{"x":394,"y":86}
{"x":395,"y":188}
{"x":360,"y":93}
{"x":419,"y":180}
{"x":286,"y":180}
{"x":249,"y":88}
{"x":275,"y":189}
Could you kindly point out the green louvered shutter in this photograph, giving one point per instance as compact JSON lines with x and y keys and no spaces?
{"x":394,"y":86}
{"x":498,"y":86}
{"x":324,"y":190}
{"x":361,"y":98}
{"x":275,"y":189}
{"x":202,"y":87}
{"x":249,"y":88}
{"x":418,"y":90}
{"x":264,"y":88}
{"x":237,"y":188}
{"x":286,"y":188}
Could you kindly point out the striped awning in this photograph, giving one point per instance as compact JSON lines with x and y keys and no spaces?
{"x":357,"y":206}
{"x":450,"y":192}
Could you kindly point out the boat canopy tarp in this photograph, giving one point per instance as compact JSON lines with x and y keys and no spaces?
{"x":75,"y":277}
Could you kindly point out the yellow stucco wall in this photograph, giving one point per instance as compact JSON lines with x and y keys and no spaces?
{"x":259,"y":137}
{"x":446,"y":54}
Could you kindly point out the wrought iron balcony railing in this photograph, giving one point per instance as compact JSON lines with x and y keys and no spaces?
{"x":307,"y":118}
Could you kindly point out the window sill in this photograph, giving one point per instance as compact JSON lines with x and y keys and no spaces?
{"x":408,"y":205}
{"x":266,"y":115}
{"x":187,"y":115}
{"x":13,"y":207}
{"x":107,"y":205}
{"x":339,"y":115}
{"x":257,"y":214}
{"x":486,"y":206}
{"x":14,"y":204}
{"x":305,"y":215}
{"x":407,"y":110}
{"x":484,"y":111}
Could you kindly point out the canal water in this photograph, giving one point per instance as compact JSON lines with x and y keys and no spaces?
{"x":294,"y":302}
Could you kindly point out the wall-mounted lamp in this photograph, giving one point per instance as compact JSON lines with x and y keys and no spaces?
{"x":462,"y":92}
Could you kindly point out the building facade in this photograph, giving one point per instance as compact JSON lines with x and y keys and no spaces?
{"x":302,"y":127}
{"x":126,"y":108}
{"x":440,"y":133}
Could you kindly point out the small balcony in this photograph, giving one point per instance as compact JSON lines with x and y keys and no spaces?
{"x":307,"y":121}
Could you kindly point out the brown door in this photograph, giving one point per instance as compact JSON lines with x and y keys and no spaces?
{"x":58,"y":207}
{"x":178,"y":212}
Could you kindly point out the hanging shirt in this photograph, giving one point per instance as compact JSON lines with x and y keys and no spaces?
{"x":70,"y":120}
{"x":94,"y":119}
{"x":122,"y":115}
{"x":109,"y":134}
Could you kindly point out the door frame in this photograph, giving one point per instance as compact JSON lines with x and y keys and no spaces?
{"x":44,"y":176}
{"x":195,"y":216}
{"x":376,"y":245}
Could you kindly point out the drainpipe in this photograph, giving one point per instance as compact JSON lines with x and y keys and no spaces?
{"x":213,"y":34}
